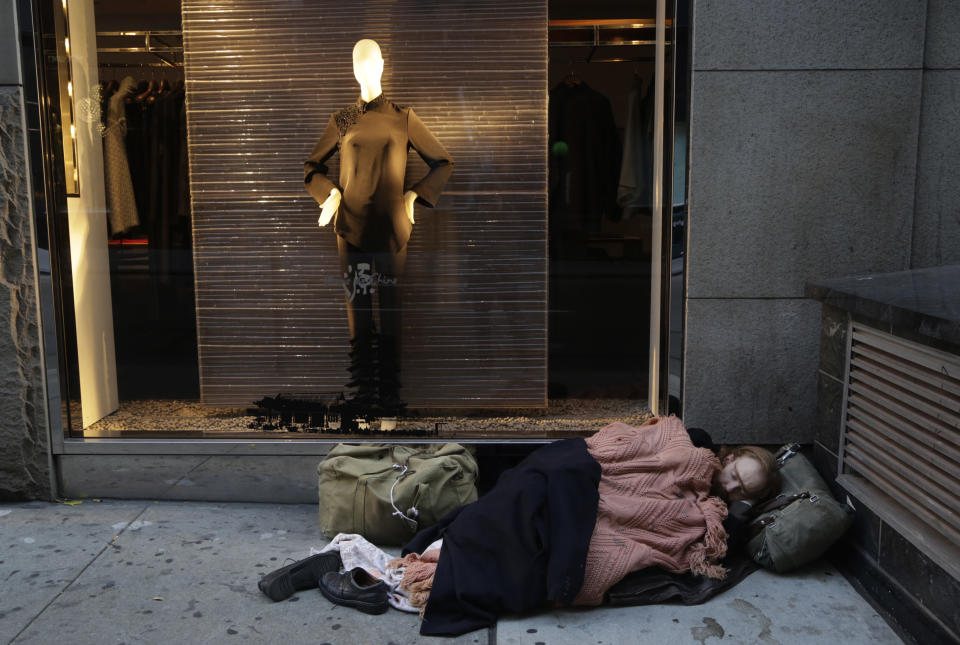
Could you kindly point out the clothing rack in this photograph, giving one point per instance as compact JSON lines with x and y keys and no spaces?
{"x":157,"y":43}
{"x":162,"y":65}
{"x":604,"y":33}
{"x":586,"y":33}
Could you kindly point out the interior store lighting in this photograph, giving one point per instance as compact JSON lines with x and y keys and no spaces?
{"x":67,"y":107}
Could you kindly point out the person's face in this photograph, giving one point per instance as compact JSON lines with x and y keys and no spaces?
{"x":739,"y":479}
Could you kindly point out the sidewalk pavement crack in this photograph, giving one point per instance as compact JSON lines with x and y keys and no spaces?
{"x":80,"y":573}
{"x":105,"y":547}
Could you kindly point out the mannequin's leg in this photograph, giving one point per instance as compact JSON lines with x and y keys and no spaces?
{"x":356,"y":269}
{"x":390,"y":266}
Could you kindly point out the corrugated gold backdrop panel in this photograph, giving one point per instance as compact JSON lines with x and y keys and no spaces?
{"x":262,"y":79}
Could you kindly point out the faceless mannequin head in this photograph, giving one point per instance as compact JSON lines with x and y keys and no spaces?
{"x":368,"y":66}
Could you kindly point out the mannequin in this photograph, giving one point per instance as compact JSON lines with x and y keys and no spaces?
{"x":373,"y":217}
{"x":368,"y":70}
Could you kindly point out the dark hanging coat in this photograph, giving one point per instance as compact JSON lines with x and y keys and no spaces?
{"x":585,"y":155}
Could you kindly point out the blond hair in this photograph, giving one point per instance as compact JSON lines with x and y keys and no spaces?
{"x":768,"y":466}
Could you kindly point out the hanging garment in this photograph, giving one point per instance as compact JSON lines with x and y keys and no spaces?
{"x":166,"y":141}
{"x":121,"y":204}
{"x":584,"y":158}
{"x":633,"y":193}
{"x":138,"y":150}
{"x":373,"y":138}
{"x":156,"y":150}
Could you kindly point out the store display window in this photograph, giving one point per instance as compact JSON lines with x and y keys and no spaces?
{"x":440,"y":220}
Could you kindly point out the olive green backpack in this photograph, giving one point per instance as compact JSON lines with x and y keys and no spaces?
{"x":802,"y":522}
{"x":387,"y":493}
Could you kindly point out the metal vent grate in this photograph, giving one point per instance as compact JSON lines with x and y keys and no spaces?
{"x":902,"y":425}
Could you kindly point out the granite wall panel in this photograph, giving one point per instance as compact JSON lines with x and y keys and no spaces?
{"x":24,"y":460}
{"x":912,"y":622}
{"x":816,"y":34}
{"x":932,"y":587}
{"x":9,"y":68}
{"x":936,"y":230}
{"x":866,"y":529}
{"x":834,"y":325}
{"x":826,"y":463}
{"x":943,"y":26}
{"x":797,"y":176}
{"x":917,"y":305}
{"x":751,"y":369}
{"x":829,"y":409}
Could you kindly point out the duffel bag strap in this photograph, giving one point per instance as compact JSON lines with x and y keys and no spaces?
{"x":786,"y":452}
{"x":413,"y":509}
{"x":782,"y":500}
{"x":775,"y":504}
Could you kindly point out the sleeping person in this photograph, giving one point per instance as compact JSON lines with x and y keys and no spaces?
{"x":577,"y":516}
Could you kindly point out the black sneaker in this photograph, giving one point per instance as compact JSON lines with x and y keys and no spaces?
{"x":303,"y":574}
{"x":355,"y":588}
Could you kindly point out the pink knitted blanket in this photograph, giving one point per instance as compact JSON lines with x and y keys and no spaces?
{"x":655,"y":508}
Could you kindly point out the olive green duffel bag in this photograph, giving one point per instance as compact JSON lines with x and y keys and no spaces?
{"x":387,"y":493}
{"x":802,"y":522}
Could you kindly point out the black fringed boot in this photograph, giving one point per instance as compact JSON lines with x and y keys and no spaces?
{"x":361,"y":389}
{"x":389,"y":378}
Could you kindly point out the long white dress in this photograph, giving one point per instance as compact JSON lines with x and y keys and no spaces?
{"x":121,"y":204}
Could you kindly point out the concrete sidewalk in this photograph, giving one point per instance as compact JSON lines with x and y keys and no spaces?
{"x":186,"y":572}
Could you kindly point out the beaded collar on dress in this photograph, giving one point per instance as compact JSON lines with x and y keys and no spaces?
{"x":352,"y":113}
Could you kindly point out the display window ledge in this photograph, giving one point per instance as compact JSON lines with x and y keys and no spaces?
{"x":159,"y":430}
{"x":253,"y":445}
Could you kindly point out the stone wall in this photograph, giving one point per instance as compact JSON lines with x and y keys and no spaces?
{"x":805,"y":130}
{"x":24,"y":443}
{"x":936,"y":228}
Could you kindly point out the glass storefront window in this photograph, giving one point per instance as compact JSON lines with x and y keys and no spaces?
{"x":437,"y":223}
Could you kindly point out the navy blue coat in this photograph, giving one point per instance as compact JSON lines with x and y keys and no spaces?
{"x":520,"y":546}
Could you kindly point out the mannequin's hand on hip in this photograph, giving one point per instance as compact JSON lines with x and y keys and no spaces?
{"x":408,"y":198}
{"x":329,"y":207}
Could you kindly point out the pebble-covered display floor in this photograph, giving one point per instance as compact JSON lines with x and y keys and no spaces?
{"x":561,"y":418}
